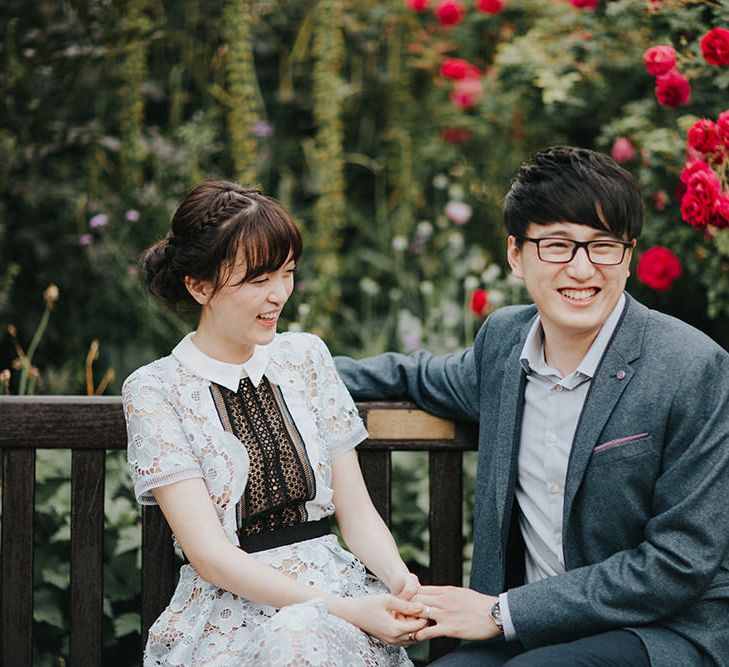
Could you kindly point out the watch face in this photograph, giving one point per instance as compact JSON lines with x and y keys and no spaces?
{"x":496,"y":615}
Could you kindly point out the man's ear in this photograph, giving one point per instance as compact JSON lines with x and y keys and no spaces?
{"x":200,"y":290}
{"x":514,"y":257}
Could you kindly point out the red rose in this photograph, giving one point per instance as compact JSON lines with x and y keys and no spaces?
{"x":673,"y":89}
{"x":585,"y":4}
{"x":466,"y":93}
{"x":722,"y":127}
{"x":695,"y":210}
{"x":691,"y":168}
{"x":490,"y":6}
{"x":417,"y":5}
{"x":720,"y":212}
{"x":659,"y":60}
{"x":455,"y":135}
{"x":457,"y":68}
{"x":622,"y":150}
{"x":658,"y":268}
{"x":715,"y":46}
{"x":479,"y":302}
{"x":703,"y":136}
{"x":450,"y":12}
{"x":705,"y":185}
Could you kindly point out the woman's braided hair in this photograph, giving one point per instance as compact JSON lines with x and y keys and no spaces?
{"x":218,"y":224}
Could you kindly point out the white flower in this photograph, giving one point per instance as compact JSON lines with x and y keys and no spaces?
{"x":426,"y":287}
{"x":496,"y":297}
{"x":458,"y":212}
{"x":294,"y":326}
{"x":455,"y":241}
{"x":399,"y":243}
{"x":477,"y":262}
{"x":304,"y":309}
{"x":424,"y":229}
{"x":470,"y":283}
{"x":491,"y":274}
{"x":395,"y":294}
{"x":369,"y":286}
{"x":455,"y":191}
{"x":440,"y":182}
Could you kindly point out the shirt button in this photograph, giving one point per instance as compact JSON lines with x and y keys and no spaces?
{"x":551,"y":437}
{"x":554,"y":488}
{"x":558,"y":387}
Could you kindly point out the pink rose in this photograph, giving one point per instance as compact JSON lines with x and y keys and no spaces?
{"x":466,"y":93}
{"x":659,"y":60}
{"x":715,"y":46}
{"x":490,"y":6}
{"x":720,"y":212}
{"x":673,"y":89}
{"x":703,"y":136}
{"x":694,"y":210}
{"x":458,"y":212}
{"x":585,"y":4}
{"x":417,"y":5}
{"x":660,"y":199}
{"x":450,"y":12}
{"x":622,"y":150}
{"x":457,"y":68}
{"x":658,"y":267}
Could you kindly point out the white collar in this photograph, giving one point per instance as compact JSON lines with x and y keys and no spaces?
{"x":221,"y":372}
{"x":532,"y":354}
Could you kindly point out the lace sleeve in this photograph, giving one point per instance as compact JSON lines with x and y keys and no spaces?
{"x":158,"y":451}
{"x":343,"y":427}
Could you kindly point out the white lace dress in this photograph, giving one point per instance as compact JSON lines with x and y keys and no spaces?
{"x":175,"y":433}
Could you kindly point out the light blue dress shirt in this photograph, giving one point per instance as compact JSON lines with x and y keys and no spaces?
{"x":552,"y":408}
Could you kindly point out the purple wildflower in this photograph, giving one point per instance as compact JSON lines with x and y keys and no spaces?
{"x":99,"y":220}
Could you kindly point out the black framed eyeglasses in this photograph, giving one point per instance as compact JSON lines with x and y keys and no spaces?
{"x":603,"y":252}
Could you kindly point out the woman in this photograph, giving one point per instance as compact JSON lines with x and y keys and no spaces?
{"x":245,"y":439}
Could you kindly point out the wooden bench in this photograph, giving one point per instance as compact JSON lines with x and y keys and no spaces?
{"x":90,"y":426}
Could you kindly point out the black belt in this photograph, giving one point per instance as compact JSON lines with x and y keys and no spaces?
{"x":269,"y":539}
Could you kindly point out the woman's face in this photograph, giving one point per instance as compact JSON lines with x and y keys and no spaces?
{"x":241,"y":315}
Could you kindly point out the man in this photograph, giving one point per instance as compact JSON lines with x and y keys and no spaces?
{"x":601,"y":531}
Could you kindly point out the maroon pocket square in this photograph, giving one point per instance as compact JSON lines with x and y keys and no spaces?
{"x":619,"y":442}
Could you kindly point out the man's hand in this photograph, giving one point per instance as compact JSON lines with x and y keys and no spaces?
{"x":457,"y":612}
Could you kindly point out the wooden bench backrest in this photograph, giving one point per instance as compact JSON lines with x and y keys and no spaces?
{"x":90,"y":426}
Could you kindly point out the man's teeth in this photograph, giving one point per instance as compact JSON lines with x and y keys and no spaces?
{"x":579,"y":295}
{"x":267,"y":317}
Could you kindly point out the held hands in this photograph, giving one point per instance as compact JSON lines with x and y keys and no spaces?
{"x":386,"y":617}
{"x":456,"y":612}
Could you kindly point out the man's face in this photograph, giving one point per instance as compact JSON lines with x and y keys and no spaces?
{"x":573,"y":299}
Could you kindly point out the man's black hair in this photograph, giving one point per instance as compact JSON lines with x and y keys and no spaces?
{"x":567,"y":184}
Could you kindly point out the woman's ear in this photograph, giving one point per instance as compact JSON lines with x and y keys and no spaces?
{"x":200,"y":290}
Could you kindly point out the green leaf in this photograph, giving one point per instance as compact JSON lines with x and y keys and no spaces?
{"x":126,"y":624}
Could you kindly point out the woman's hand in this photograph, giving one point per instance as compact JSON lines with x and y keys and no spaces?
{"x":404,"y":585}
{"x":386,"y":617}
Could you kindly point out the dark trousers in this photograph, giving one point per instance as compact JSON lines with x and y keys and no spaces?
{"x":619,"y":648}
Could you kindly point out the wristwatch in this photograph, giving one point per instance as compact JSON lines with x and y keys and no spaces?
{"x":496,"y":616}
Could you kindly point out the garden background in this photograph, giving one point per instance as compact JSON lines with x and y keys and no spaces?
{"x":389,"y":129}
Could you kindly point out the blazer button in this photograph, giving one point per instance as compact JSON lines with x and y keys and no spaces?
{"x":620,"y":374}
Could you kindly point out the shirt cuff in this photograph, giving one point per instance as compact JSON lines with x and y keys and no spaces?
{"x":509,"y":630}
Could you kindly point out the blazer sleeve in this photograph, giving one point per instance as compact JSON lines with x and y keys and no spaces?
{"x":447,"y":386}
{"x":686,"y":539}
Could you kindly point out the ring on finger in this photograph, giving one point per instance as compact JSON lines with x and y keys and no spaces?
{"x":411,"y":636}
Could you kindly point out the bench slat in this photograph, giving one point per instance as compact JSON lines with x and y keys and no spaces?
{"x":159,"y":574}
{"x":446,"y":518}
{"x":87,"y":549}
{"x":377,"y":470}
{"x":16,"y":606}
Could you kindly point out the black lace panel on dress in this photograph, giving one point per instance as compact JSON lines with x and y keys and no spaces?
{"x":280,"y":477}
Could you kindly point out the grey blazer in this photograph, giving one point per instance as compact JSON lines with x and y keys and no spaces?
{"x":646,"y":512}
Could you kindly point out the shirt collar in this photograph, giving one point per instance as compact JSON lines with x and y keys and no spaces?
{"x":532,"y":354}
{"x":221,"y":372}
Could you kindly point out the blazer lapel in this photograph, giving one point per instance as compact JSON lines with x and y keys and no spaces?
{"x":611,"y":378}
{"x":509,"y":430}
